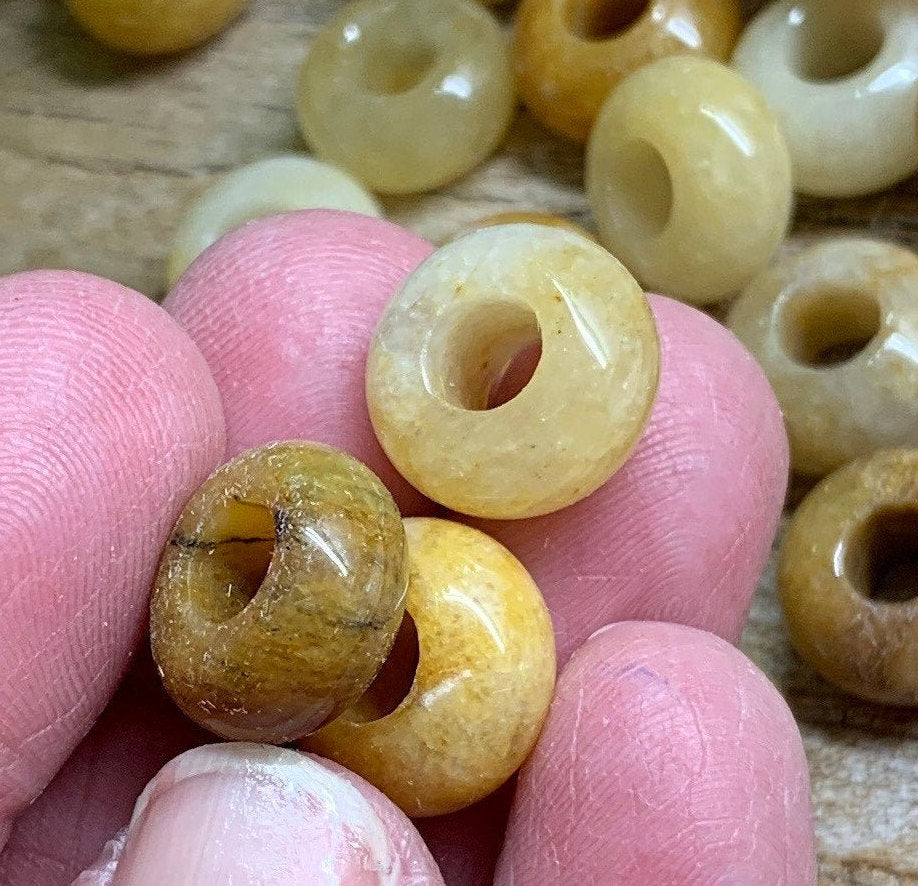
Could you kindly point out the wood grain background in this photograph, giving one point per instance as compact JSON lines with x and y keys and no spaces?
{"x":100,"y":154}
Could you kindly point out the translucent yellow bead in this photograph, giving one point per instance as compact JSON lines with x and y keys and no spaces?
{"x":152,"y":27}
{"x":835,"y":328}
{"x":265,"y":187}
{"x":448,"y":338}
{"x":532,"y":218}
{"x":407,"y":94}
{"x":842,"y":77}
{"x":476,"y":662}
{"x":689,"y":178}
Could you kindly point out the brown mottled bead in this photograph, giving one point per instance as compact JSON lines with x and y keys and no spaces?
{"x":569,"y":54}
{"x":848,"y":577}
{"x":280,"y":592}
{"x":484,"y":678}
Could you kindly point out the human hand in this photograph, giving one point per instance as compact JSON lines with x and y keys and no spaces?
{"x":666,"y":758}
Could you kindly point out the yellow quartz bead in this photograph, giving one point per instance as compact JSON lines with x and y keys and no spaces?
{"x":689,"y":178}
{"x":842,"y":77}
{"x":153,"y":27}
{"x":835,"y":329}
{"x":280,"y":592}
{"x":484,"y":677}
{"x":568,"y":54}
{"x":447,"y":339}
{"x":407,"y":94}
{"x":523,"y":218}
{"x":265,"y":187}
{"x":847,"y":577}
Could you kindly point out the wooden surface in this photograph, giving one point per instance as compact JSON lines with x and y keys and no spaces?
{"x":98,"y":156}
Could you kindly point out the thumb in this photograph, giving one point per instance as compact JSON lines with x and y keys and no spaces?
{"x":258,"y":815}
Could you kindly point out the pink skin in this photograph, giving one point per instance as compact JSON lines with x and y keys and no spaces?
{"x":108,"y":421}
{"x":282,"y":310}
{"x":701,"y":428}
{"x":683,"y":531}
{"x":667,"y":758}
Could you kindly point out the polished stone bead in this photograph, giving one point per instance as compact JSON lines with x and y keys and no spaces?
{"x":848,"y":578}
{"x":458,"y":324}
{"x":460,"y":704}
{"x":689,"y":178}
{"x":835,"y":328}
{"x":568,"y":54}
{"x":154,"y":27}
{"x":265,"y":187}
{"x":407,"y":94}
{"x":523,"y":218}
{"x":280,"y":592}
{"x":842,"y":77}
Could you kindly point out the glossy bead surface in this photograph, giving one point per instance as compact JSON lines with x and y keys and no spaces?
{"x":568,"y":54}
{"x":461,"y":320}
{"x":265,"y":187}
{"x":526,"y":218}
{"x":689,"y":178}
{"x":835,"y":328}
{"x":847,"y":578}
{"x":407,"y":94}
{"x":153,"y":27}
{"x":484,"y":680}
{"x":280,"y":592}
{"x":842,"y":77}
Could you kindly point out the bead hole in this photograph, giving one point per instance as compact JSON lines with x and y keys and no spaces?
{"x":640,"y":188}
{"x":830,"y":327}
{"x":394,"y":680}
{"x":392,"y":67}
{"x":883,"y":562}
{"x":829,"y":45}
{"x":236,"y":550}
{"x":484,"y":357}
{"x":602,"y":19}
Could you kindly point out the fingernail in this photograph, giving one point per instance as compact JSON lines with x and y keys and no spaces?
{"x":252,"y":814}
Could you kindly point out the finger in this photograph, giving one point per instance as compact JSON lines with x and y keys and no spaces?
{"x":255,"y":814}
{"x":682,"y":532}
{"x":283,"y":310}
{"x":108,"y":420}
{"x":91,"y":797}
{"x":667,"y":758}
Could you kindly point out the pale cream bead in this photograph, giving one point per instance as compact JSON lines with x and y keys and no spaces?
{"x":484,"y":652}
{"x":455,"y":327}
{"x":842,"y":76}
{"x":265,"y":187}
{"x":407,"y":94}
{"x":836,"y":330}
{"x":689,"y":178}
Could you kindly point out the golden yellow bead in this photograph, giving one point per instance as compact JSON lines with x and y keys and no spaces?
{"x":407,"y":95}
{"x":568,"y":54}
{"x":280,"y":592}
{"x":485,"y":675}
{"x":689,"y":178}
{"x":153,"y":27}
{"x":847,"y":578}
{"x":449,"y":336}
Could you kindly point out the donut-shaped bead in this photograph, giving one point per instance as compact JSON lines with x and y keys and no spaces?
{"x":407,"y":94}
{"x":153,"y":27}
{"x":482,"y":640}
{"x":568,"y":54}
{"x":689,"y":178}
{"x":847,"y":577}
{"x":842,"y":77}
{"x":265,"y":187}
{"x":280,"y":592}
{"x":527,"y":218}
{"x":458,"y":324}
{"x":835,"y":329}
